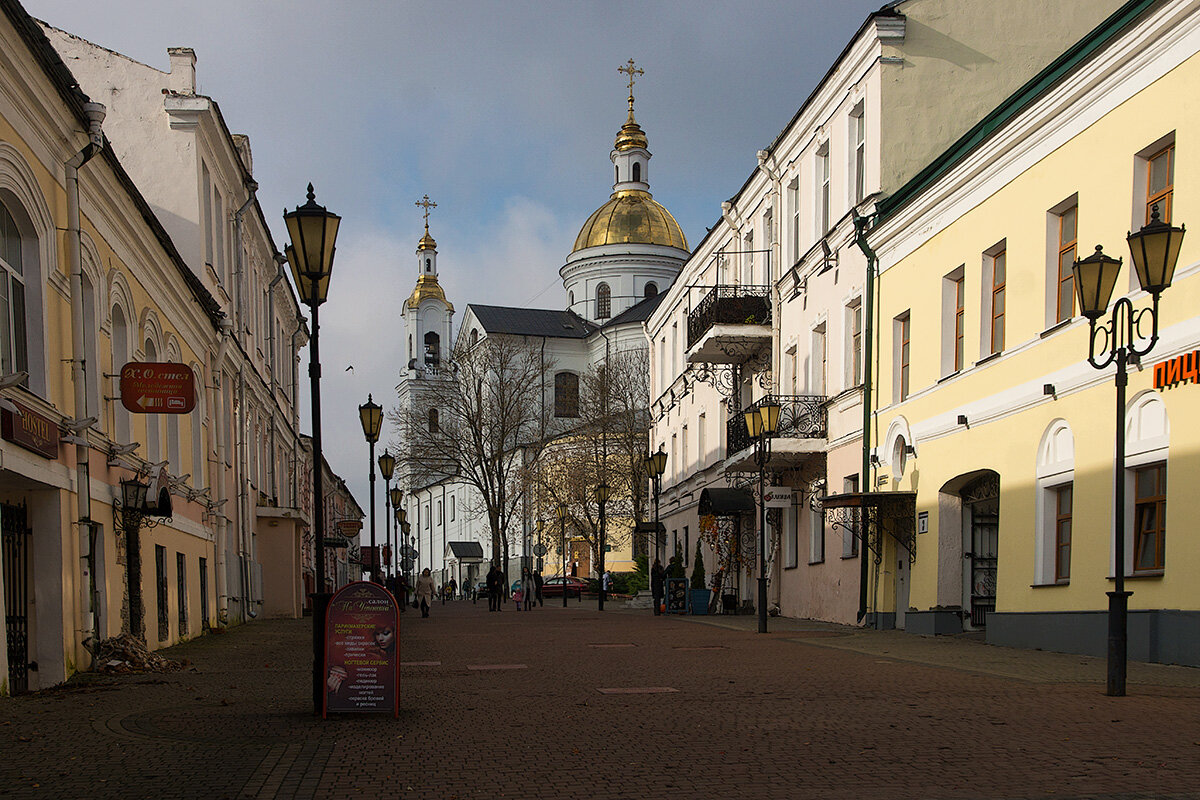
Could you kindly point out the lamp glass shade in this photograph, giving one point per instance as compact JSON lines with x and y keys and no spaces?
{"x":753,"y":423}
{"x":770,"y":418}
{"x":399,"y":517}
{"x":405,"y":528}
{"x":562,"y":510}
{"x":1155,"y":251}
{"x":371,"y":416}
{"x":656,"y":463}
{"x":387,"y":465}
{"x":397,"y":495}
{"x":402,"y":515}
{"x":313,"y":231}
{"x":602,"y":493}
{"x":133,"y":494}
{"x":1095,"y":277}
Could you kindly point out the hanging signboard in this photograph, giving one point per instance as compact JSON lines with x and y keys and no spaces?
{"x":31,"y":430}
{"x":677,"y":595}
{"x":362,"y":651}
{"x":149,"y":387}
{"x":778,"y":496}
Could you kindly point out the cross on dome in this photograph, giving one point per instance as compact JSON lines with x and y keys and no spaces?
{"x":427,"y":204}
{"x":631,"y":70}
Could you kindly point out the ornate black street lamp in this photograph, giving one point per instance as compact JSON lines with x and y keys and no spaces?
{"x":601,"y":494}
{"x":371,"y":416}
{"x":313,"y":230}
{"x":396,"y":495}
{"x":562,"y":533}
{"x":761,"y":423}
{"x":1155,"y":251}
{"x":656,"y":464}
{"x":387,"y":465}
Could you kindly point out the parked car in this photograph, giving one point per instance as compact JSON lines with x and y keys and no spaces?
{"x":554,"y":587}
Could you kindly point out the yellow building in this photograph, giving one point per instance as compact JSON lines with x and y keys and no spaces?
{"x":985,"y":404}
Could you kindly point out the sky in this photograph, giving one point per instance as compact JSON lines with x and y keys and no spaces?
{"x":504,"y":113}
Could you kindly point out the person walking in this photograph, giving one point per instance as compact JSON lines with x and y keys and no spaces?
{"x":425,"y":591}
{"x":658,"y":577}
{"x":527,"y":589}
{"x":537,"y":585}
{"x":494,"y":580}
{"x":453,"y":588}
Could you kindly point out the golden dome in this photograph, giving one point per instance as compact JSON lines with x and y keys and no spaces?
{"x":427,"y":287}
{"x":631,"y":134}
{"x":630,"y":217}
{"x":427,"y":242}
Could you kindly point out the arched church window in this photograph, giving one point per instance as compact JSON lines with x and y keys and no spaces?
{"x":474,"y":337}
{"x":433,"y":421}
{"x":651,"y":289}
{"x":616,"y":174}
{"x":433,"y":346}
{"x":570,"y":300}
{"x":566,"y":394}
{"x":14,"y":356}
{"x":429,"y":265}
{"x":603,"y":301}
{"x":637,"y":171}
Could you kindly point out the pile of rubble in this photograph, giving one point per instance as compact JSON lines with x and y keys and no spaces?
{"x":126,"y":653}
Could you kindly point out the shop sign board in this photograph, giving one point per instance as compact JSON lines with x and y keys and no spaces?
{"x":30,"y":430}
{"x":362,"y":651}
{"x":150,"y":387}
{"x":677,"y":595}
{"x":1180,"y":369}
{"x":778,"y":496}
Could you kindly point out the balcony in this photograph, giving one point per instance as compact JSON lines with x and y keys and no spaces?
{"x":803,"y":426}
{"x":730,"y":326}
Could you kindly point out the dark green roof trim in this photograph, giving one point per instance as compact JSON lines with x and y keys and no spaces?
{"x":1037,"y":86}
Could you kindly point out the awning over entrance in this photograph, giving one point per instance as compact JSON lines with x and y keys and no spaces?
{"x":465,"y":552}
{"x":725,"y":502}
{"x":893,"y":513}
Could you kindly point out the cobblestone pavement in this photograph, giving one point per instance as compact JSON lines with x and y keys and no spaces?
{"x":575,"y":703}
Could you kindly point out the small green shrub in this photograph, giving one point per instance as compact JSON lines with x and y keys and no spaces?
{"x":698,"y":569}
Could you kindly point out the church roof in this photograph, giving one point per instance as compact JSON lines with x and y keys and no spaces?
{"x":637,"y":313}
{"x":630,"y":217}
{"x":532,"y":322}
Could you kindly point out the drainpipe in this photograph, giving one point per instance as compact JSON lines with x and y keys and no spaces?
{"x":83,"y":488}
{"x":860,"y":239}
{"x":225,"y":331}
{"x":245,"y":512}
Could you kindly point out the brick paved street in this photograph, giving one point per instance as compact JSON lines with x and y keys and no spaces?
{"x":809,"y":710}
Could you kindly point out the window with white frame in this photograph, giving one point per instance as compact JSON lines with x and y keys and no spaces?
{"x":701,"y":440}
{"x":794,"y":204}
{"x":791,"y":537}
{"x":1155,"y":168}
{"x":818,"y":363}
{"x":901,"y":330}
{"x":854,"y":342}
{"x":858,"y":156}
{"x":1146,"y":458}
{"x":994,"y":290}
{"x":153,"y":437}
{"x":1062,"y":225}
{"x":816,"y":536}
{"x":122,"y":419}
{"x":748,"y":260}
{"x":14,"y":354}
{"x":952,"y":321}
{"x":768,"y":240}
{"x":1055,"y":479}
{"x":823,"y":188}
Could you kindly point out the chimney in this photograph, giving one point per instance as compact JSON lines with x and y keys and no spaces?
{"x":183,"y":70}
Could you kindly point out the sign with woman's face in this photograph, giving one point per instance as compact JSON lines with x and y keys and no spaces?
{"x":362,"y":659}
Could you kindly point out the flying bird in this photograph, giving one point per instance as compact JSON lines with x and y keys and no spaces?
{"x":350,"y":368}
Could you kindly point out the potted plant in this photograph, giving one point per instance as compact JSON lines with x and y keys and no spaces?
{"x":699,"y":594}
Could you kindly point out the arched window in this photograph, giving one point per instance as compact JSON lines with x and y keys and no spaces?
{"x":1055,"y":495}
{"x":433,"y":349}
{"x":616,"y":173}
{"x":120,"y":357}
{"x":566,"y":394}
{"x":570,"y":300}
{"x":603,"y":301}
{"x":474,"y":337}
{"x":14,"y":355}
{"x":429,"y":265}
{"x":153,"y":436}
{"x":637,"y":171}
{"x":651,"y":289}
{"x":433,"y":421}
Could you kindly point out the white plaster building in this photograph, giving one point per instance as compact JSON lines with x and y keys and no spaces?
{"x":773,"y":302}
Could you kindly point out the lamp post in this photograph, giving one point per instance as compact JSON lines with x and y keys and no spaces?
{"x":387,"y":465}
{"x":601,"y":493}
{"x":656,"y":464}
{"x":396,"y":496}
{"x":313,"y":230}
{"x":562,"y":533}
{"x":371,"y":416}
{"x":761,"y":423}
{"x":412,"y":551}
{"x":1155,"y":251}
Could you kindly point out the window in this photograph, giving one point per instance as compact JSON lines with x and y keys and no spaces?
{"x":429,"y":265}
{"x":650,"y":290}
{"x":858,"y":136}
{"x":566,"y":394}
{"x":218,"y":234}
{"x":14,"y":353}
{"x":1068,"y":224}
{"x":900,"y":330}
{"x":1149,"y":512}
{"x":1160,"y":182}
{"x":434,"y":423}
{"x":794,"y":202}
{"x":850,"y":535}
{"x":452,"y":508}
{"x":958,"y":324}
{"x":433,"y":349}
{"x":683,"y":442}
{"x":440,"y":517}
{"x":1062,"y":532}
{"x":206,"y":201}
{"x":687,"y":549}
{"x":999,"y":278}
{"x":603,"y":301}
{"x":701,"y":444}
{"x":768,"y":240}
{"x":817,"y":381}
{"x":748,"y":262}
{"x":153,"y":438}
{"x":474,"y":337}
{"x":674,"y":350}
{"x":571,"y":300}
{"x":855,"y":328}
{"x":637,"y":171}
{"x":953,"y":286}
{"x":823,"y":189}
{"x":816,"y":536}
{"x":181,"y":589}
{"x":793,"y":370}
{"x":160,"y":574}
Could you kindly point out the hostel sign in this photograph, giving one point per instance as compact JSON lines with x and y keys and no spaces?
{"x":1180,"y":369}
{"x":150,"y":387}
{"x":31,"y":430}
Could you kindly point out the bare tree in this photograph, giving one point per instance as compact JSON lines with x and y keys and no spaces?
{"x":481,"y":421}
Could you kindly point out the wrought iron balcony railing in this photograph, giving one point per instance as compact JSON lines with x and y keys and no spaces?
{"x":801,"y":416}
{"x":729,"y":305}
